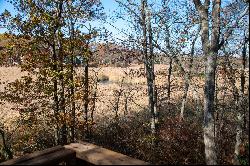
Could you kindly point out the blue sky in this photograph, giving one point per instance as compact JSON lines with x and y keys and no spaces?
{"x":5,"y":5}
{"x":109,"y":8}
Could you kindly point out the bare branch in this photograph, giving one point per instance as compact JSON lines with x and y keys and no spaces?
{"x":231,"y":28}
{"x":199,"y":6}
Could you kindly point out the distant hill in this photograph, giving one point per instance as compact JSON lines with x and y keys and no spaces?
{"x":114,"y":54}
{"x":110,"y":54}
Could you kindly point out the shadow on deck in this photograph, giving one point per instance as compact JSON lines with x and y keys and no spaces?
{"x":75,"y":154}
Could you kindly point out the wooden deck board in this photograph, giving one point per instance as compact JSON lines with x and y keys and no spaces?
{"x":75,"y":153}
{"x":100,"y":156}
{"x":52,"y":158}
{"x":32,"y":155}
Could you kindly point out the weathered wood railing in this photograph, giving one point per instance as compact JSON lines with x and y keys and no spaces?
{"x":74,"y":154}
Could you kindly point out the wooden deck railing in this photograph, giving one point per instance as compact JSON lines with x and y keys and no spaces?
{"x":74,"y":154}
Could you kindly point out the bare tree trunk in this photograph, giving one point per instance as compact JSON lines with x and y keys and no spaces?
{"x":238,"y":100}
{"x":238,"y":138}
{"x":169,"y":79}
{"x":57,"y":58}
{"x":72,"y":88}
{"x":241,"y":116}
{"x":6,"y":148}
{"x":209,"y":120}
{"x":93,"y":107}
{"x":126,"y":106}
{"x":62,"y":92}
{"x":242,"y":75}
{"x":55,"y":95}
{"x":93,"y":100}
{"x":210,"y":50}
{"x":86,"y":94}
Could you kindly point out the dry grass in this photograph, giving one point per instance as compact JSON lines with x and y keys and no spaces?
{"x":7,"y":111}
{"x":105,"y":93}
{"x":106,"y":90}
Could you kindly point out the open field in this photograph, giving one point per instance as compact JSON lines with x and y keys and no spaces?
{"x":7,"y":75}
{"x":135,"y":87}
{"x":105,"y":89}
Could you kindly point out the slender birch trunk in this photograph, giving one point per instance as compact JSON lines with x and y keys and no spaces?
{"x":187,"y":78}
{"x":151,"y":81}
{"x":167,"y":37}
{"x":149,"y":63}
{"x":184,"y":98}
